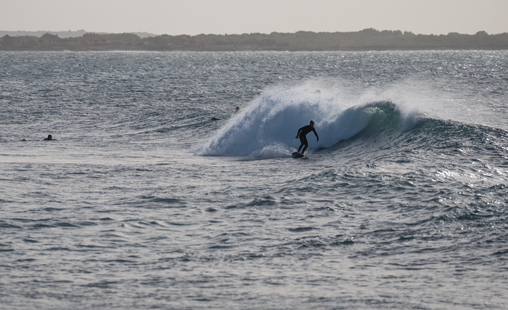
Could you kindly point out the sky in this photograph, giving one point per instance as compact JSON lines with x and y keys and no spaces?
{"x":192,"y":17}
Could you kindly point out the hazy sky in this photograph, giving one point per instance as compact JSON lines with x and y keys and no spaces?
{"x":246,"y":16}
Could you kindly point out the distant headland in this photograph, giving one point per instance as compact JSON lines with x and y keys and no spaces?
{"x":364,"y":40}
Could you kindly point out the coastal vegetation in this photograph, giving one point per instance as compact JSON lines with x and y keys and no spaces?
{"x":367,"y":39}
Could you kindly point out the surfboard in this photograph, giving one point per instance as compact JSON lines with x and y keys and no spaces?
{"x":296,"y":155}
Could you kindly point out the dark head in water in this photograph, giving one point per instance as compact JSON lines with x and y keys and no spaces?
{"x":50,"y":137}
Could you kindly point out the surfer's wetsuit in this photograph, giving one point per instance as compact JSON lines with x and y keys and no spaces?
{"x":302,"y":132}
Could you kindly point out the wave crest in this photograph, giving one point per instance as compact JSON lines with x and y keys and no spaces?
{"x":268,"y":126}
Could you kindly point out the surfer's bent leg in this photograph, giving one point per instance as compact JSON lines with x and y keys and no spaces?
{"x":303,"y":139}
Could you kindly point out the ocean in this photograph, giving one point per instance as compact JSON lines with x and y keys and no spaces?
{"x":143,"y":201}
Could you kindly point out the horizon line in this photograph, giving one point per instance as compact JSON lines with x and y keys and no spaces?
{"x":228,"y":34}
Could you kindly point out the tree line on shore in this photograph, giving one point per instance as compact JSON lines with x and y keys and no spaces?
{"x":367,"y":39}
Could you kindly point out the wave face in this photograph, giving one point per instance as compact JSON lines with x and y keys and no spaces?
{"x":268,"y":126}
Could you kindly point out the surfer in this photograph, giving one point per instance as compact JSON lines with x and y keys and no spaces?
{"x":302,"y":132}
{"x":50,"y":137}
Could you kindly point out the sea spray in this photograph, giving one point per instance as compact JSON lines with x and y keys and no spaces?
{"x":267,"y":127}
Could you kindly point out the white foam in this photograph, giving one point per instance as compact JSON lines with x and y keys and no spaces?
{"x":268,"y":126}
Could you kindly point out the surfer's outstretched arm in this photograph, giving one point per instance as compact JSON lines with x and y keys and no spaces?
{"x":298,"y":133}
{"x":315,"y":133}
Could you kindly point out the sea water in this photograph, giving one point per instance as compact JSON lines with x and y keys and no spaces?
{"x":142,"y":201}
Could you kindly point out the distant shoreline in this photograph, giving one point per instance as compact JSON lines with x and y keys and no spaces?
{"x":365,"y":40}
